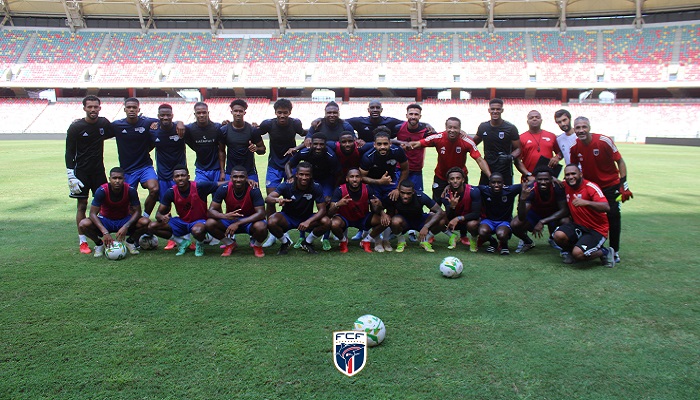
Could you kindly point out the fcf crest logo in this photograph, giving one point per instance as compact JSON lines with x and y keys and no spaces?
{"x":349,"y":351}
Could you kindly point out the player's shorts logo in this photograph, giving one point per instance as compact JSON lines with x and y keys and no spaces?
{"x":349,"y":351}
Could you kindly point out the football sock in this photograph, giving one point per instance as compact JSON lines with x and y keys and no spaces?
{"x":310,"y":238}
{"x":99,"y":242}
{"x":400,"y":238}
{"x":82,"y":238}
{"x":176,"y":239}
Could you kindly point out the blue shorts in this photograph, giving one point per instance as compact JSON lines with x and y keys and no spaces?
{"x":241,"y":229}
{"x":293,"y":222}
{"x":533,"y":218}
{"x":142,"y":175}
{"x":202,"y":175}
{"x":182,"y":228}
{"x":164,"y":186}
{"x":274,"y":177}
{"x":495,"y":224}
{"x":417,"y":178}
{"x":113,"y":225}
{"x":362,"y":224}
{"x":382,"y":191}
{"x":415,"y":224}
{"x":252,"y":177}
{"x":328,"y":186}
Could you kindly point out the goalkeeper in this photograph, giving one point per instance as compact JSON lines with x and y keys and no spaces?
{"x":84,"y":158}
{"x":602,"y":164}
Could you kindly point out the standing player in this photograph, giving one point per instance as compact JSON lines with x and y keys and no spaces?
{"x":85,"y":159}
{"x":134,"y":144}
{"x":583,"y":239}
{"x":354,"y":205}
{"x":463,"y":204}
{"x":538,"y":147}
{"x":365,"y":126}
{"x":407,"y":214}
{"x":190,"y":199}
{"x":501,"y":143}
{"x":603,"y":165}
{"x":452,"y":150}
{"x":297,"y":200}
{"x":205,"y":138}
{"x":115,"y":208}
{"x":497,"y":200}
{"x":245,"y":212}
{"x":542,"y":204}
{"x":170,"y":151}
{"x":242,"y":141}
{"x":411,"y":131}
{"x":567,"y":139}
{"x":330,"y":125}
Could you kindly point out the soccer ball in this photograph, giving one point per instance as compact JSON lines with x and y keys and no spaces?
{"x":373,"y":327}
{"x":451,"y":267}
{"x":117,"y":251}
{"x":148,"y":242}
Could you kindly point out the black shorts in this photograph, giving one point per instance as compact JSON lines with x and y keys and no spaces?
{"x":438,"y":187}
{"x":91,"y":181}
{"x":588,"y":240}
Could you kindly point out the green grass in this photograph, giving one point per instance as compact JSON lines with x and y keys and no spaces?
{"x":156,"y":326}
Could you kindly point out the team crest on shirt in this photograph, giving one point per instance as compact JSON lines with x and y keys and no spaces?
{"x":140,"y":129}
{"x":391,"y":162}
{"x":458,"y":150}
{"x":174,"y":138}
{"x":504,"y":199}
{"x":308,"y":196}
{"x":596,"y":152}
{"x":547,"y":139}
{"x":102,"y":131}
{"x":501,"y":135}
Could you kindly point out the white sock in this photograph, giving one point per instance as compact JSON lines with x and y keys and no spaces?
{"x":256,"y":243}
{"x":428,"y":236}
{"x":176,"y":239}
{"x":310,"y":237}
{"x":82,"y":238}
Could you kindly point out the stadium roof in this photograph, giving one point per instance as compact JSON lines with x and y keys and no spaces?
{"x":76,"y":11}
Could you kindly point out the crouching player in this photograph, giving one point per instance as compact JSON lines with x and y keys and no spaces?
{"x":297,"y":200}
{"x":115,"y":208}
{"x":407,"y":214}
{"x":463,"y":204}
{"x":354,"y":204}
{"x":542,"y":204}
{"x":190,"y":199}
{"x":245,"y":213}
{"x":498,"y":200}
{"x":583,"y":239}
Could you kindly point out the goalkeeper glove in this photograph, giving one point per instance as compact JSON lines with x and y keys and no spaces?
{"x":625,"y":193}
{"x":74,"y":184}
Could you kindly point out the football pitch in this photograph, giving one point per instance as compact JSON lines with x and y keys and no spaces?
{"x":154,"y":326}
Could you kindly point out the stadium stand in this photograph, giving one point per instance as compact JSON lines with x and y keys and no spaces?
{"x":637,"y":56}
{"x":204,"y":48}
{"x":11,"y":46}
{"x":65,"y":48}
{"x":564,"y":57}
{"x":420,"y":48}
{"x":134,"y":48}
{"x":22,"y":111}
{"x":290,"y":47}
{"x":344,"y":47}
{"x":690,"y":53}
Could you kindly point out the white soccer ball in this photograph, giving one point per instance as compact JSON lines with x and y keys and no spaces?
{"x":148,"y":242}
{"x":451,"y":267}
{"x":116,"y":251}
{"x":373,"y":327}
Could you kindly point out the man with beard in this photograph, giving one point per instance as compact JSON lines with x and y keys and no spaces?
{"x":463,"y":204}
{"x":245,"y":213}
{"x":378,"y":170}
{"x":542,"y":204}
{"x":583,"y":238}
{"x":85,"y":159}
{"x":297,"y":199}
{"x":411,"y":131}
{"x":603,"y":165}
{"x":538,"y":147}
{"x":501,"y":143}
{"x":190,"y":199}
{"x":348,"y":151}
{"x":567,"y":139}
{"x":354,"y":205}
{"x":452,"y":150}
